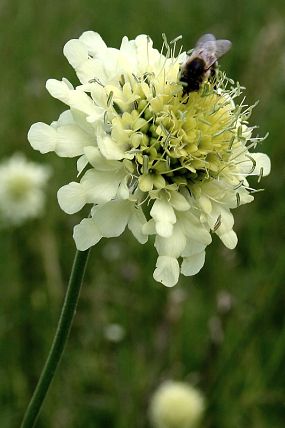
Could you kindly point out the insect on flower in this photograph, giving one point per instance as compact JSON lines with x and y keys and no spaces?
{"x":202,"y":61}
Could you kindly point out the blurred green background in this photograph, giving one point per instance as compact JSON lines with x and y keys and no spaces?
{"x":222,"y":330}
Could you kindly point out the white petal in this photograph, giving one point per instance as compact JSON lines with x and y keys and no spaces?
{"x":149,"y":228}
{"x":193,"y":247}
{"x":99,"y":162}
{"x":110,"y":149}
{"x":93,"y":41}
{"x":100,"y":186}
{"x":65,"y":118}
{"x":227,"y":220}
{"x":123,"y":189}
{"x":261,"y":161}
{"x":135,"y":224}
{"x":86,"y":234}
{"x":71,"y":141}
{"x":245,"y":196}
{"x":172,"y":246}
{"x":164,"y":229}
{"x":205,"y":204}
{"x":75,"y":98}
{"x":179,"y":202}
{"x":58,"y":89}
{"x":194,"y":229}
{"x":75,"y":52}
{"x":193,"y":264}
{"x":167,"y":271}
{"x":164,"y":217}
{"x":71,"y":197}
{"x":81,"y":120}
{"x":42,"y":137}
{"x":82,"y":162}
{"x":66,"y":140}
{"x":229,"y":239}
{"x":112,"y":217}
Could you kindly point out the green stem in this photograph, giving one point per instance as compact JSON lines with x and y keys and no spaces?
{"x":60,"y":339}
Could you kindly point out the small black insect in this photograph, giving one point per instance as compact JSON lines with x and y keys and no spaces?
{"x":201,"y":63}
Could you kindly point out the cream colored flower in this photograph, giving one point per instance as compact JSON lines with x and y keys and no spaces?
{"x":151,"y":158}
{"x":22,"y":189}
{"x":176,"y":405}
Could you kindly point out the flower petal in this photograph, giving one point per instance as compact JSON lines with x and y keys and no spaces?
{"x":262,"y":161}
{"x":164,"y":217}
{"x":112,"y":217}
{"x":193,"y":264}
{"x":110,"y":149}
{"x":42,"y":137}
{"x":179,"y":202}
{"x":75,"y":52}
{"x":167,"y":271}
{"x":135,"y":224}
{"x":99,"y":162}
{"x":193,"y":228}
{"x":86,"y":234}
{"x":82,"y":162}
{"x":71,"y":197}
{"x":172,"y":246}
{"x":93,"y":41}
{"x":149,"y":228}
{"x":71,"y":141}
{"x":192,"y":248}
{"x":101,"y":186}
{"x":229,"y":239}
{"x":75,"y":98}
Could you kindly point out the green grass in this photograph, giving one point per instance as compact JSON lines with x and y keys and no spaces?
{"x":102,"y":384}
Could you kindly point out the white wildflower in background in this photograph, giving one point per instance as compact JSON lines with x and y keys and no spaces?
{"x":151,"y":158}
{"x":176,"y":405}
{"x":21,"y":190}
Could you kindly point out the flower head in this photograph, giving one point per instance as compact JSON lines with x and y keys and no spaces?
{"x":151,"y":158}
{"x":21,"y":190}
{"x":176,"y":405}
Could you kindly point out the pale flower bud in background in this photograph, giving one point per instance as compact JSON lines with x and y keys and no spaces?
{"x":176,"y":405}
{"x":114,"y":332}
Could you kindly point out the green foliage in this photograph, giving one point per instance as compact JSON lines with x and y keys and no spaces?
{"x":235,"y":354}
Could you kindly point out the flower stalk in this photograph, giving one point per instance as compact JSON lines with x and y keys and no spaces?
{"x":60,"y":338}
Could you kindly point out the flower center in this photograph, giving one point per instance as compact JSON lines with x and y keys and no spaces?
{"x":19,"y":187}
{"x":173,"y":139}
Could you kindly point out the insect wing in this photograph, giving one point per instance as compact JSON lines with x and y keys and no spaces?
{"x":209,"y":49}
{"x":206,"y":49}
{"x":205,"y":39}
{"x":222,"y":47}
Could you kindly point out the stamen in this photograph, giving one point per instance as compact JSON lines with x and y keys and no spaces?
{"x":260,"y":175}
{"x":122,"y":81}
{"x":218,"y":223}
{"x":95,"y":80}
{"x":238,"y":199}
{"x":166,"y":45}
{"x":109,"y":99}
{"x":145,"y":164}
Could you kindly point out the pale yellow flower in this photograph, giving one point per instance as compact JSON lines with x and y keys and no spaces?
{"x":176,"y":405}
{"x":150,"y":157}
